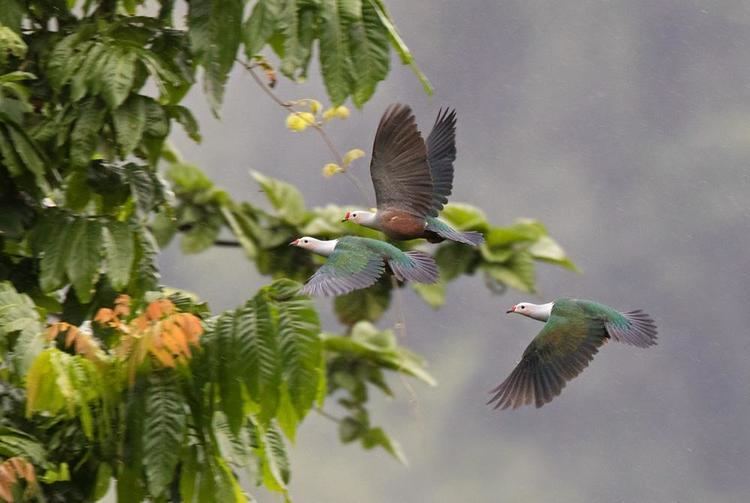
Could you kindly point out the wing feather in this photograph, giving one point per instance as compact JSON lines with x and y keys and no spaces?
{"x":441,"y":153}
{"x":399,"y":169}
{"x":347,"y":269}
{"x":561,"y":351}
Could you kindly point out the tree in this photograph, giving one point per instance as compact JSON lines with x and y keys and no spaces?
{"x":107,"y":375}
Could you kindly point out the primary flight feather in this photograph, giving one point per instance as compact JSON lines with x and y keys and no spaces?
{"x":413,"y":179}
{"x":354,"y":263}
{"x":573,"y":333}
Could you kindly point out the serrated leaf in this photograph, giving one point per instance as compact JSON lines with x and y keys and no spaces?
{"x":118,"y":75}
{"x":18,"y":314}
{"x":119,"y":249}
{"x":84,"y":261}
{"x":276,"y":464}
{"x":130,"y":124}
{"x":258,"y":347}
{"x":85,"y":135}
{"x":260,"y":25}
{"x":215,"y":34}
{"x":163,"y":431}
{"x":185,"y":117}
{"x":369,"y":45}
{"x":230,"y":370}
{"x":200,"y":237}
{"x":335,"y":60}
{"x":301,"y":351}
{"x":157,"y":122}
{"x":548,"y":250}
{"x":8,"y":152}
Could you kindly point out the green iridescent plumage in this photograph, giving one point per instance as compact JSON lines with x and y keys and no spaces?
{"x":357,"y":262}
{"x":571,"y":336}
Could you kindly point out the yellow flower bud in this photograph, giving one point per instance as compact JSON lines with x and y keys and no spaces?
{"x":342,"y":112}
{"x":299,"y":121}
{"x":315,"y":106}
{"x":296,"y":123}
{"x":354,"y":153}
{"x":329,"y":114}
{"x":331,"y":169}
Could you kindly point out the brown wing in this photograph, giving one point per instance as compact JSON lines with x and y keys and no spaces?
{"x":399,"y":169}
{"x":441,"y":153}
{"x":558,"y":354}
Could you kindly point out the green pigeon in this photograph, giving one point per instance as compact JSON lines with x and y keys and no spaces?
{"x":355,"y":262}
{"x":573,"y":332}
{"x":412,"y":179}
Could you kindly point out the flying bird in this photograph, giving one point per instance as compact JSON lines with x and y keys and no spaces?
{"x":573,"y":332}
{"x":355,"y":262}
{"x":412,"y":179}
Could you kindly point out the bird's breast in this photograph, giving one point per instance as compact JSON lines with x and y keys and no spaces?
{"x":401,"y":225}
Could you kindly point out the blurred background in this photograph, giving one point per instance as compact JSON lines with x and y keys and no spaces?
{"x":624,"y":126}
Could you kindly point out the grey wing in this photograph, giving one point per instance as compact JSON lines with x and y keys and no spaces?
{"x":343,"y":273}
{"x":399,"y":169}
{"x":441,"y":153}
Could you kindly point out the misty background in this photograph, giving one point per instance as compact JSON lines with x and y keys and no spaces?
{"x":624,"y":126}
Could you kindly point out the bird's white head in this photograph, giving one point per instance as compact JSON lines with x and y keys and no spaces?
{"x":539,"y":312}
{"x":318,"y":246}
{"x":361,"y":217}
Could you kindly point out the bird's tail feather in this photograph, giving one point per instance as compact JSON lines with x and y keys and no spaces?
{"x":640,"y":331}
{"x":471,"y":238}
{"x":420,"y":267}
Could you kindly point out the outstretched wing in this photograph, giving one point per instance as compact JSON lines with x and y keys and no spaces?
{"x":350,"y":267}
{"x":559,"y":353}
{"x":441,"y":153}
{"x":399,"y":169}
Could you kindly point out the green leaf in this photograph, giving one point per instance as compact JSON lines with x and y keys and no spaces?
{"x":517,"y":273}
{"x":335,"y":60}
{"x":157,"y":122}
{"x":398,"y":43}
{"x":52,"y":238}
{"x":284,"y":197}
{"x":85,"y":241}
{"x":163,"y":431}
{"x":260,"y":25}
{"x":369,"y":45}
{"x":230,"y":369}
{"x":377,"y":437}
{"x":367,"y":304}
{"x":9,"y":155}
{"x":301,"y":350}
{"x":548,"y":250}
{"x":86,"y":132}
{"x":215,"y":34}
{"x":11,"y":42}
{"x":200,"y":237}
{"x":185,"y":117}
{"x":28,"y":152}
{"x":18,"y":314}
{"x":12,"y":13}
{"x":275,"y":464}
{"x":259,"y":350}
{"x":119,"y":250}
{"x":433,"y":295}
{"x":130,"y":123}
{"x":118,"y":75}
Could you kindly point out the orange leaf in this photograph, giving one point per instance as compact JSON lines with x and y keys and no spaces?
{"x":122,"y":305}
{"x":104,"y":315}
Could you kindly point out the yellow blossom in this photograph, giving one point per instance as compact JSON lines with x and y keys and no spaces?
{"x":342,"y":112}
{"x":354,"y":153}
{"x":331,"y":169}
{"x":299,"y":121}
{"x":315,"y":106}
{"x":329,"y":114}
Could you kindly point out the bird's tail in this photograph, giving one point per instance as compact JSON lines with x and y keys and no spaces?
{"x":418,"y":266}
{"x":639,"y":331}
{"x":445,"y":231}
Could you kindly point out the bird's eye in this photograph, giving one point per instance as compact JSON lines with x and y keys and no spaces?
{"x":523,"y":307}
{"x":304,"y":241}
{"x":354,"y":215}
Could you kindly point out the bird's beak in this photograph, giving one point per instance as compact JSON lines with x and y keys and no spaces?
{"x":346,"y":217}
{"x":294,"y":243}
{"x":511,"y":310}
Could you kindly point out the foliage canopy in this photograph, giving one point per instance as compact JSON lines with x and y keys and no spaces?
{"x":106,"y":374}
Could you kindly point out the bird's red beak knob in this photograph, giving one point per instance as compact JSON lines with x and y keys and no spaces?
{"x":346,"y":217}
{"x":294,"y":243}
{"x":511,"y":310}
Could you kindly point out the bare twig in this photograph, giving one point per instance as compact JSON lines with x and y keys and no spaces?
{"x":288,"y":105}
